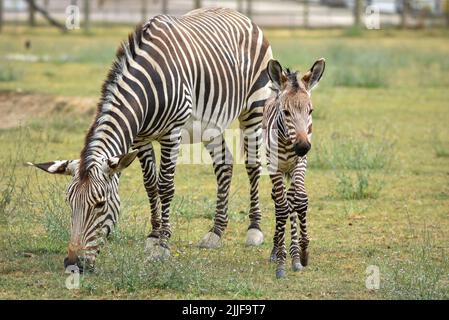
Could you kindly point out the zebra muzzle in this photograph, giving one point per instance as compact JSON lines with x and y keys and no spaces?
{"x":301,"y":148}
{"x":73,"y":259}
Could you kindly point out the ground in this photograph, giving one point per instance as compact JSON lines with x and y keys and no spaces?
{"x":378,"y":180}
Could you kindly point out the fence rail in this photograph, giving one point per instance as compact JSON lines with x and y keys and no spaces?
{"x":267,"y":13}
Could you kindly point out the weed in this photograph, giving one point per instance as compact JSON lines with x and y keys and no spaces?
{"x":358,"y":187}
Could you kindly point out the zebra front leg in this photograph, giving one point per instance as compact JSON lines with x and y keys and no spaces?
{"x":302,"y":202}
{"x":148,"y":165}
{"x":223,"y":163}
{"x":304,"y":242}
{"x":282,"y":213}
{"x":294,"y":245}
{"x":273,"y":253}
{"x":252,"y":139}
{"x":166,"y":187}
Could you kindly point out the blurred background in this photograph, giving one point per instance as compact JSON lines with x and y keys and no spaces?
{"x":266,"y":13}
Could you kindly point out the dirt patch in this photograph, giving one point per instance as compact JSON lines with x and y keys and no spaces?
{"x":18,"y":108}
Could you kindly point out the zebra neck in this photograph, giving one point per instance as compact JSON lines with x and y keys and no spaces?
{"x":280,"y":123}
{"x":111,"y":134}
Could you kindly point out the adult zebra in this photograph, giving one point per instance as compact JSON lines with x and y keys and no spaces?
{"x":200,"y":71}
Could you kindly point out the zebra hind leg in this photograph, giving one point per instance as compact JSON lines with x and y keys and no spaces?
{"x":223,"y":164}
{"x":252,"y":140}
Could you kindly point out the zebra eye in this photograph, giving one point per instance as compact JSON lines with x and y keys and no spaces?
{"x":310,"y":111}
{"x":100,"y":204}
{"x":287,"y":113}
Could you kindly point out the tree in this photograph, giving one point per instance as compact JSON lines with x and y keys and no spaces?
{"x":357,"y":10}
{"x":144,"y":10}
{"x":164,"y":6}
{"x":1,"y":15}
{"x":306,"y":13}
{"x":32,"y":4}
{"x":404,"y":13}
{"x":249,"y":8}
{"x":86,"y":15}
{"x":31,"y":16}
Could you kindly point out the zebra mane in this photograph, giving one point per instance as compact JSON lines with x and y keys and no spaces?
{"x":125,"y":50}
{"x":292,"y":77}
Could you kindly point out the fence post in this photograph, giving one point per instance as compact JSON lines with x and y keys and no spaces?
{"x":249,"y":8}
{"x":306,"y":13}
{"x":1,"y":15}
{"x":197,"y":4}
{"x":164,"y":6}
{"x":446,"y":12}
{"x":86,"y":15}
{"x":144,"y":10}
{"x":31,"y":15}
{"x":239,"y":5}
{"x":404,"y":14}
{"x":357,"y":9}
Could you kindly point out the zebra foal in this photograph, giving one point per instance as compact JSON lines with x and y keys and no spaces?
{"x":287,"y":124}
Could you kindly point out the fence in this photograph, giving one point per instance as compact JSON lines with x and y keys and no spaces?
{"x":280,"y":13}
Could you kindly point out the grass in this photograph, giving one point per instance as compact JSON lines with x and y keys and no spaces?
{"x":377,"y":179}
{"x":441,"y":147}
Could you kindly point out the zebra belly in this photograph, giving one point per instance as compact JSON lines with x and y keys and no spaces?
{"x":197,"y":130}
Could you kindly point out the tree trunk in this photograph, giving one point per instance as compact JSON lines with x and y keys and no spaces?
{"x":197,"y":4}
{"x":1,"y":15}
{"x":306,"y":13}
{"x":86,"y":15}
{"x":46,"y":15}
{"x":144,"y":10}
{"x":405,"y":12}
{"x":357,"y":9}
{"x":240,"y":5}
{"x":446,"y":12}
{"x":164,"y":6}
{"x":249,"y":8}
{"x":31,"y":16}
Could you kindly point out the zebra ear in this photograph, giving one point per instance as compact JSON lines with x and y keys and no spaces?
{"x":313,"y":76}
{"x":118,"y":163}
{"x":276,"y":75}
{"x":66,"y":167}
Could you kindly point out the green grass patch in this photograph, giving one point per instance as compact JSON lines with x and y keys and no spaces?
{"x":357,"y":186}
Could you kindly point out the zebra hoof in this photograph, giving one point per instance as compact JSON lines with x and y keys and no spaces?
{"x":296,"y":265}
{"x":156,"y":252}
{"x":254,"y":237}
{"x":210,"y":241}
{"x":280,"y":272}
